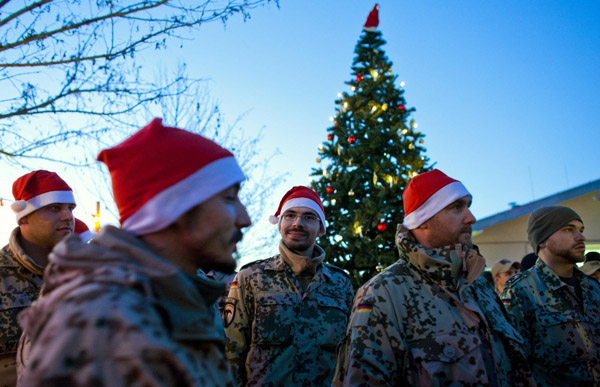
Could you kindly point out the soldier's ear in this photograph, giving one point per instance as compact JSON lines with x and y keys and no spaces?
{"x":321,"y":231}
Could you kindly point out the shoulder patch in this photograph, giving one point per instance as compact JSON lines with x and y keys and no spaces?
{"x":517,"y":277}
{"x":229,"y":311}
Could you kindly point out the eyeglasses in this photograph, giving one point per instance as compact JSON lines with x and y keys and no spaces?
{"x":308,"y":217}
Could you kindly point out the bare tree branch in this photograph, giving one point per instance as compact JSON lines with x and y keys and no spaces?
{"x":64,"y":61}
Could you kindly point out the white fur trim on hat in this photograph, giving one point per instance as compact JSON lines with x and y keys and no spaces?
{"x":434,"y":204}
{"x":168,"y":205}
{"x":301,"y":202}
{"x":37,"y":202}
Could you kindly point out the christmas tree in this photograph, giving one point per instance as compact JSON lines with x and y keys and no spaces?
{"x":372,"y":151}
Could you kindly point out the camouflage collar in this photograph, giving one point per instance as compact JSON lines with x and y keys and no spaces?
{"x":20,"y":254}
{"x":277,"y":263}
{"x":449,"y":266}
{"x":118,"y":257}
{"x":551,"y":279}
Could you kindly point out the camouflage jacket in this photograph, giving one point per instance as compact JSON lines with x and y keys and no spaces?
{"x":430,"y":319}
{"x":223,"y":278}
{"x":561,"y":332}
{"x":20,"y":284}
{"x":277,"y":335}
{"x":113,"y":313}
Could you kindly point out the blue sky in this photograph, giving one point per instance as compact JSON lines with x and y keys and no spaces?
{"x":505,"y":91}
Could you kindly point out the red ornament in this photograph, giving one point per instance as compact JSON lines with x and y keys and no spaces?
{"x":359,"y":78}
{"x":401,"y":106}
{"x":330,"y":137}
{"x":381,"y":227}
{"x":351,"y":139}
{"x":329,"y":190}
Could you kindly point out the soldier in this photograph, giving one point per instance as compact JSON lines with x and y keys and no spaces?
{"x":44,"y":206}
{"x":431,"y":318}
{"x":128,"y":308}
{"x":554,"y":305}
{"x":285,"y":315}
{"x":502,"y":271}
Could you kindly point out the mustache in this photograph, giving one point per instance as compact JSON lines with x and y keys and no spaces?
{"x":297,"y":229}
{"x":467,"y":229}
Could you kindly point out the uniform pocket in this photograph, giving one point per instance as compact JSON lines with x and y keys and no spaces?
{"x":274,"y":318}
{"x":15,"y":296}
{"x":563,"y":339}
{"x":332,"y":316}
{"x":446,"y":356}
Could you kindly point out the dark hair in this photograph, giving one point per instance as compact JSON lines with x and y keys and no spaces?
{"x":528,"y":261}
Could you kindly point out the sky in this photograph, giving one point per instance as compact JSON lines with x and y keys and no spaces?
{"x":505,"y":91}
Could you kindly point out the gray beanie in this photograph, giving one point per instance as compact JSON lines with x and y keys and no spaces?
{"x":546,"y":221}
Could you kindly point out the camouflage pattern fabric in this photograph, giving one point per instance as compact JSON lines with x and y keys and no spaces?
{"x":226,"y":279}
{"x":561,"y":332}
{"x":275,"y":334}
{"x":430,"y":319}
{"x":19,"y":287}
{"x":113,"y":313}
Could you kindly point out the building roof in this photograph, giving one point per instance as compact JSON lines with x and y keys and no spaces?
{"x":519,"y":210}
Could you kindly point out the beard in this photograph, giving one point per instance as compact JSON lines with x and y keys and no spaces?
{"x":222,"y":263}
{"x":570,"y":254}
{"x":227,"y":267}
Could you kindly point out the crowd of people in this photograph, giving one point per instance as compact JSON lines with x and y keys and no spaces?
{"x":157,"y":302}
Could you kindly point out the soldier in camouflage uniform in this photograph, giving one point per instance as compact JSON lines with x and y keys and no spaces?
{"x":286,"y":315}
{"x":128,"y":308}
{"x":555,"y":307}
{"x":44,"y":207}
{"x":431,"y":319}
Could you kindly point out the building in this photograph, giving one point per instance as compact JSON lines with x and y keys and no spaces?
{"x":504,"y":235}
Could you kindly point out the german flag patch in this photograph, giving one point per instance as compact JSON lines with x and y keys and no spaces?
{"x":364,"y":307}
{"x":234,"y":285}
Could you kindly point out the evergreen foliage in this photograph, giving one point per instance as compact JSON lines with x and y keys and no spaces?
{"x":372,"y":151}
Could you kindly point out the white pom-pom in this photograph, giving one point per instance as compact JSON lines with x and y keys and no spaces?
{"x":273,"y":219}
{"x":18,"y":206}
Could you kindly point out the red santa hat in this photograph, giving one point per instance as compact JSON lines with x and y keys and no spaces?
{"x":300,"y":196}
{"x":38,"y":189}
{"x":372,"y":19}
{"x":427,"y":194}
{"x":83,"y":230}
{"x":160,"y":172}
